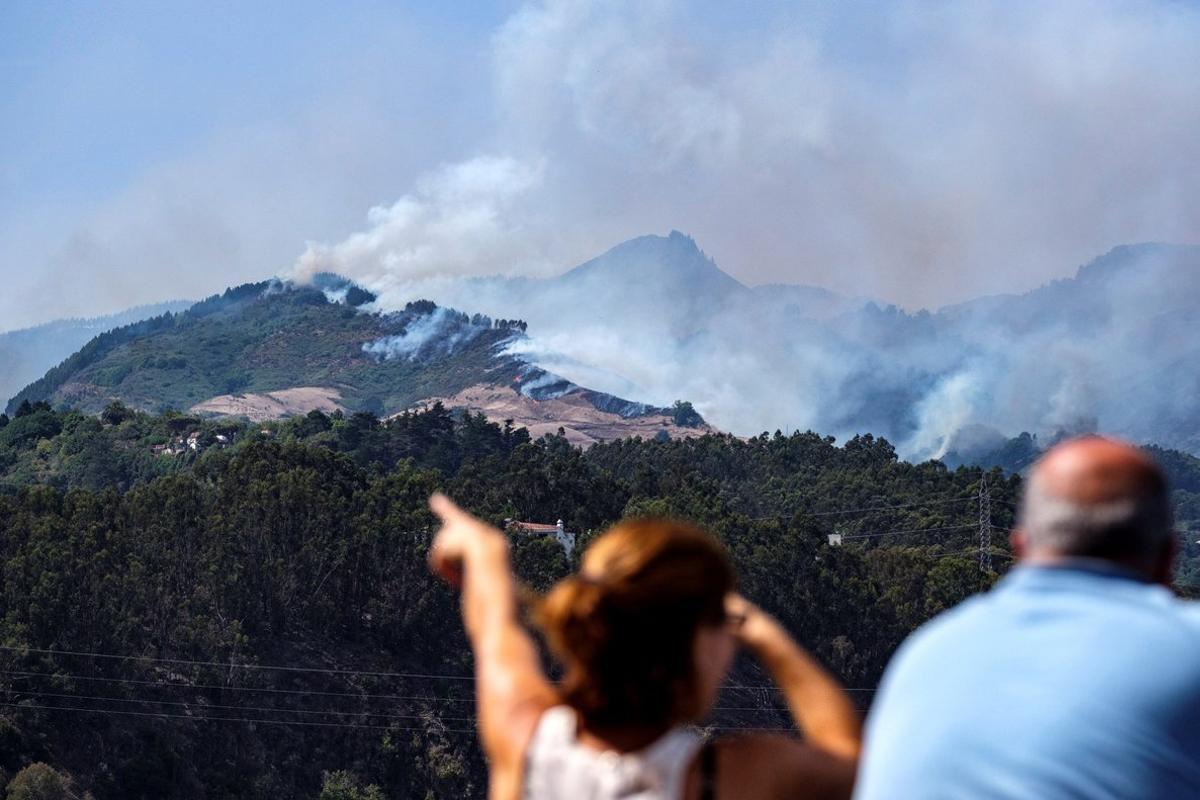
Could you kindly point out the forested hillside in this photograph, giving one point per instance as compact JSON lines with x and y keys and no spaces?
{"x":276,"y":349}
{"x":267,"y":336}
{"x":252,"y":616}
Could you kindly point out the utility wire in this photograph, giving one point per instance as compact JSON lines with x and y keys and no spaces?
{"x":215,"y":686}
{"x":888,"y":508}
{"x":270,"y":709}
{"x":232,"y":665}
{"x":288,"y":669}
{"x":176,"y":685}
{"x":344,"y":712}
{"x":840,"y":512}
{"x":203,"y":706}
{"x":205,"y":718}
{"x":907,"y":531}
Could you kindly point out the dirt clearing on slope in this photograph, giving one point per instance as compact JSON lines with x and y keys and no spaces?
{"x":582,"y":422}
{"x":272,"y":405}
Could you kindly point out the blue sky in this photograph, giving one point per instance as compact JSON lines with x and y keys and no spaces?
{"x":98,"y":97}
{"x":94,"y":92}
{"x":921,"y":152}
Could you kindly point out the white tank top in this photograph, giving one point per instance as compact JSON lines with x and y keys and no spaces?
{"x":559,"y":767}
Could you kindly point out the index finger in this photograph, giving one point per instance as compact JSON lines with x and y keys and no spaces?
{"x":445,"y":508}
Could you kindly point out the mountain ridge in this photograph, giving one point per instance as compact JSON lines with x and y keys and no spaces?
{"x":654,"y":318}
{"x":271,"y":349}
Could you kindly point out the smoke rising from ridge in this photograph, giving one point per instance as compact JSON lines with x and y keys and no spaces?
{"x":938,"y":151}
{"x":437,"y":334}
{"x":458,"y":222}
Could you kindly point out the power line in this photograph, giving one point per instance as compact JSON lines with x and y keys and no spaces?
{"x":190,"y":718}
{"x":160,"y":684}
{"x":906,"y":532}
{"x":232,"y":665}
{"x":871,"y":508}
{"x":341,"y":712}
{"x":270,"y":709}
{"x":239,"y":707}
{"x":973,"y":551}
{"x":219,"y":687}
{"x":353,"y":695}
{"x":207,"y":718}
{"x":888,"y":508}
{"x":175,"y":685}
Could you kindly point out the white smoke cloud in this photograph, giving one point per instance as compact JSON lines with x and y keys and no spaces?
{"x":611,"y":74}
{"x":459,"y":221}
{"x":439,"y":333}
{"x":951,"y":406}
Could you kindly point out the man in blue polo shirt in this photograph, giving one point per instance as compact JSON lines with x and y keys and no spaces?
{"x":1077,"y":676}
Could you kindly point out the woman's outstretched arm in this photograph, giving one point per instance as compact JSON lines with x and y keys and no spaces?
{"x":820,"y":707}
{"x":511,"y":690}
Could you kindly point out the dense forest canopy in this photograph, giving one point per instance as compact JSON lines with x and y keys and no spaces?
{"x":197,"y":608}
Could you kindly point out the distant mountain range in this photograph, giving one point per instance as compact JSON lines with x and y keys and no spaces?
{"x":26,"y":354}
{"x":654,"y":319}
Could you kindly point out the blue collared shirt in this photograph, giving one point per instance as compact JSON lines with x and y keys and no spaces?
{"x":1062,"y":682}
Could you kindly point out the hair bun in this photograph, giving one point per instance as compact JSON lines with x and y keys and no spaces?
{"x":624,"y":626}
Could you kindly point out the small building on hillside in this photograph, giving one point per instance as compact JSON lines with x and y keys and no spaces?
{"x":565,"y":538}
{"x":175,"y":447}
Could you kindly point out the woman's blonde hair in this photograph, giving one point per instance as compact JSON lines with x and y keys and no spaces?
{"x":625,"y":625}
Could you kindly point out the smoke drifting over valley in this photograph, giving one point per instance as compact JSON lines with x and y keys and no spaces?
{"x":824,"y":154}
{"x":977,"y":147}
{"x":654,"y":319}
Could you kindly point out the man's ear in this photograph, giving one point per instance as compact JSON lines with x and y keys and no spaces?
{"x":1019,"y":544}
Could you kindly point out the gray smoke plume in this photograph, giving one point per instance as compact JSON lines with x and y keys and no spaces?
{"x":654,"y":319}
{"x":904,"y":152}
{"x":438,"y":334}
{"x":920,"y":155}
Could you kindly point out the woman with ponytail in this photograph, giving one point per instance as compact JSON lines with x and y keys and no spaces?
{"x":645,"y":632}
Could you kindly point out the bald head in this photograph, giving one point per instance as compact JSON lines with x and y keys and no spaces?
{"x":1097,"y":498}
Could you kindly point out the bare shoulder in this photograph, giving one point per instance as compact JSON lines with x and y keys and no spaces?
{"x":769,"y":766}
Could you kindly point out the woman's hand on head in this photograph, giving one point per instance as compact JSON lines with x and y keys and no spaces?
{"x":459,"y":535}
{"x":751,"y":625}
